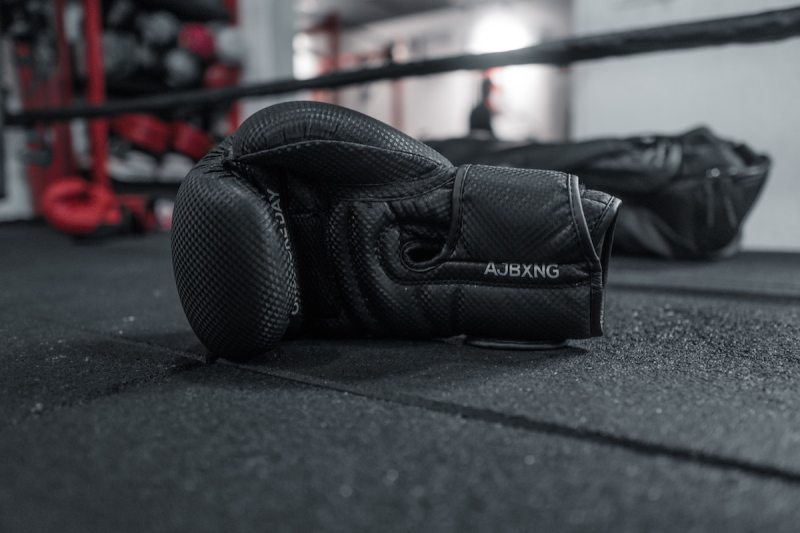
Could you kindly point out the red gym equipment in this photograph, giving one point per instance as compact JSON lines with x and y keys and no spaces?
{"x":94,"y":204}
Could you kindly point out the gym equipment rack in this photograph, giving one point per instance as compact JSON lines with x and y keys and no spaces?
{"x":753,"y":28}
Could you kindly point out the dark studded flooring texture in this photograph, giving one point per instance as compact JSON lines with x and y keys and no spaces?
{"x":684,"y":417}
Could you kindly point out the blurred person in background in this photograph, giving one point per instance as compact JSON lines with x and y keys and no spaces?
{"x":480,"y":118}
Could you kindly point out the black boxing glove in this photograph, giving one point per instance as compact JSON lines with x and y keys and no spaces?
{"x":313,"y":218}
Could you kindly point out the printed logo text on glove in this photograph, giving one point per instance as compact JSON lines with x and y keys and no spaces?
{"x":520,"y":270}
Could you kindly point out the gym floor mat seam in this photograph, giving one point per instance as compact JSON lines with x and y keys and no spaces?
{"x":547,"y":428}
{"x":463,"y":411}
{"x":469,"y":412}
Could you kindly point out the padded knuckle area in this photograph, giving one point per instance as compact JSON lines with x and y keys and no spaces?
{"x":234,"y":275}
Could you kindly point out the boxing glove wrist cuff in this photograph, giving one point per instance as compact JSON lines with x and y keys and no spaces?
{"x":520,"y":261}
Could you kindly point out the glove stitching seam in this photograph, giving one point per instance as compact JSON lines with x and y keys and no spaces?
{"x":602,"y":214}
{"x":573,"y":207}
{"x":408,"y":196}
{"x":280,"y":150}
{"x":461,"y":236}
{"x":571,"y":179}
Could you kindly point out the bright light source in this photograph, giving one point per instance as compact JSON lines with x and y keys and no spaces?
{"x":305,"y":61}
{"x":497,"y":31}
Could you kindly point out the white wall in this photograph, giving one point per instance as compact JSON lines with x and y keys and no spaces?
{"x":532,"y":100}
{"x":268,"y":27}
{"x":744,"y":92}
{"x":17,"y":203}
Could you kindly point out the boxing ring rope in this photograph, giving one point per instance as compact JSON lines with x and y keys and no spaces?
{"x":760,"y":27}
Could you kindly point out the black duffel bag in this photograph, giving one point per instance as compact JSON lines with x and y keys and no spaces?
{"x":684,"y":196}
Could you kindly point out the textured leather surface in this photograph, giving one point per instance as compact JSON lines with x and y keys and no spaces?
{"x":685,"y":196}
{"x":234,"y":275}
{"x":314,"y":218}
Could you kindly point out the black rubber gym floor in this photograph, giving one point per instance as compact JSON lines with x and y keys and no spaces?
{"x":686,"y":416}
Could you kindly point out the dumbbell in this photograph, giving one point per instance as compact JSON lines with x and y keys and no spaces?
{"x":190,"y":140}
{"x":158,"y":29}
{"x":120,"y":14}
{"x":174,"y":167}
{"x":197,"y":39}
{"x":144,"y":131}
{"x":140,"y":140}
{"x":124,"y":163}
{"x":220,"y":75}
{"x":118,"y":62}
{"x":189,"y":144}
{"x":182,"y":68}
{"x":229,"y":45}
{"x":124,"y":57}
